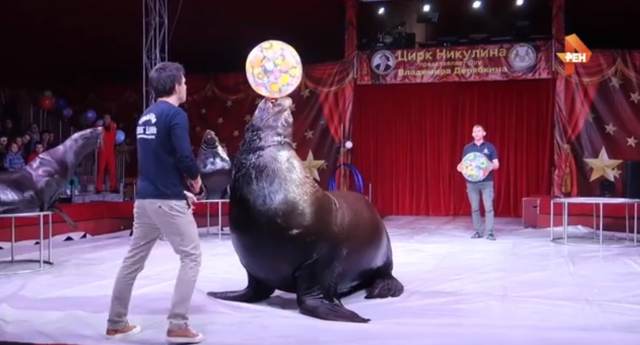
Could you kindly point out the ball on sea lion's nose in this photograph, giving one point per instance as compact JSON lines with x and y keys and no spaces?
{"x":273,"y":69}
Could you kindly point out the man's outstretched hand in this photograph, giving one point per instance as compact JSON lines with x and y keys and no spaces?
{"x":195,"y":185}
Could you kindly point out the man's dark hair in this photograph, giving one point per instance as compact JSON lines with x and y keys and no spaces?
{"x":164,"y":77}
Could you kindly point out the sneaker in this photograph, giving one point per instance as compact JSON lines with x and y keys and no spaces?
{"x":123,"y":331}
{"x":476,"y":235}
{"x":491,"y":237}
{"x":184,"y":335}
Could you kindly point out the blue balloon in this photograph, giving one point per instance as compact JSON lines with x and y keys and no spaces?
{"x":90,"y":116}
{"x":67,"y":113}
{"x":61,"y":103}
{"x":120,"y":136}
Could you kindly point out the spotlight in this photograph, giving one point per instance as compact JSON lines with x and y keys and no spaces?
{"x":519,"y":2}
{"x":476,"y":4}
{"x":381,"y":10}
{"x":428,"y":13}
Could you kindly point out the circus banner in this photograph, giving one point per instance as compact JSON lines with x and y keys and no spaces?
{"x":508,"y":61}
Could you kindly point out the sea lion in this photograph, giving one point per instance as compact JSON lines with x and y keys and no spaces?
{"x":292,"y":236}
{"x":215,"y":166}
{"x":36,"y":186}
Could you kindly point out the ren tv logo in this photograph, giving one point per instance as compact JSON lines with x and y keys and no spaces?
{"x":575,"y":52}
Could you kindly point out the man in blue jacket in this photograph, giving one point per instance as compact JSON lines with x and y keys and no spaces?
{"x":166,"y":168}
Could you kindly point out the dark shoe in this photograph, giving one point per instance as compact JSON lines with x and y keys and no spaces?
{"x":491,"y":237}
{"x":476,"y":235}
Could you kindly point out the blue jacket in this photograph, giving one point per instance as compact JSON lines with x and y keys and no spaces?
{"x":165,"y":159}
{"x":14,"y":161}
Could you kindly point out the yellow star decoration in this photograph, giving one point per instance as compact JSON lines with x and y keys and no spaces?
{"x":603,"y":166}
{"x":312,"y":166}
{"x":616,"y":172}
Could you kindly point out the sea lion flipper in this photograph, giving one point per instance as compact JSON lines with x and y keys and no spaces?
{"x":327,"y":310}
{"x":65,"y":216}
{"x":319,"y":298}
{"x":255,"y":291}
{"x":383,"y":287}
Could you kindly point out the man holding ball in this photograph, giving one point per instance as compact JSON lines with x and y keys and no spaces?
{"x":482,"y":187}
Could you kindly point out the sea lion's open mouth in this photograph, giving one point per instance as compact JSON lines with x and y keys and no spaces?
{"x":210,"y":139}
{"x":274,"y":113}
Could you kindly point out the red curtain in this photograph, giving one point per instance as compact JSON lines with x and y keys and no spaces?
{"x":351,"y":34}
{"x":408,"y":140}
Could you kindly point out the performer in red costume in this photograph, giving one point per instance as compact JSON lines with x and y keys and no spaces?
{"x":107,"y":156}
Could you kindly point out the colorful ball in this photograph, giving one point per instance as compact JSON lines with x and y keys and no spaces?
{"x":274,"y":69}
{"x":473,"y":165}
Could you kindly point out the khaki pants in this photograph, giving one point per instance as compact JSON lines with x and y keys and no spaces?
{"x":174,"y":220}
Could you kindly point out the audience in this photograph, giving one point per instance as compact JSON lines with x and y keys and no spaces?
{"x":19,"y":147}
{"x":34,"y":131}
{"x":7,"y":128}
{"x":3,"y":150}
{"x":39,"y":148}
{"x":14,"y":160}
{"x":46,"y":139}
{"x":27,"y":145}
